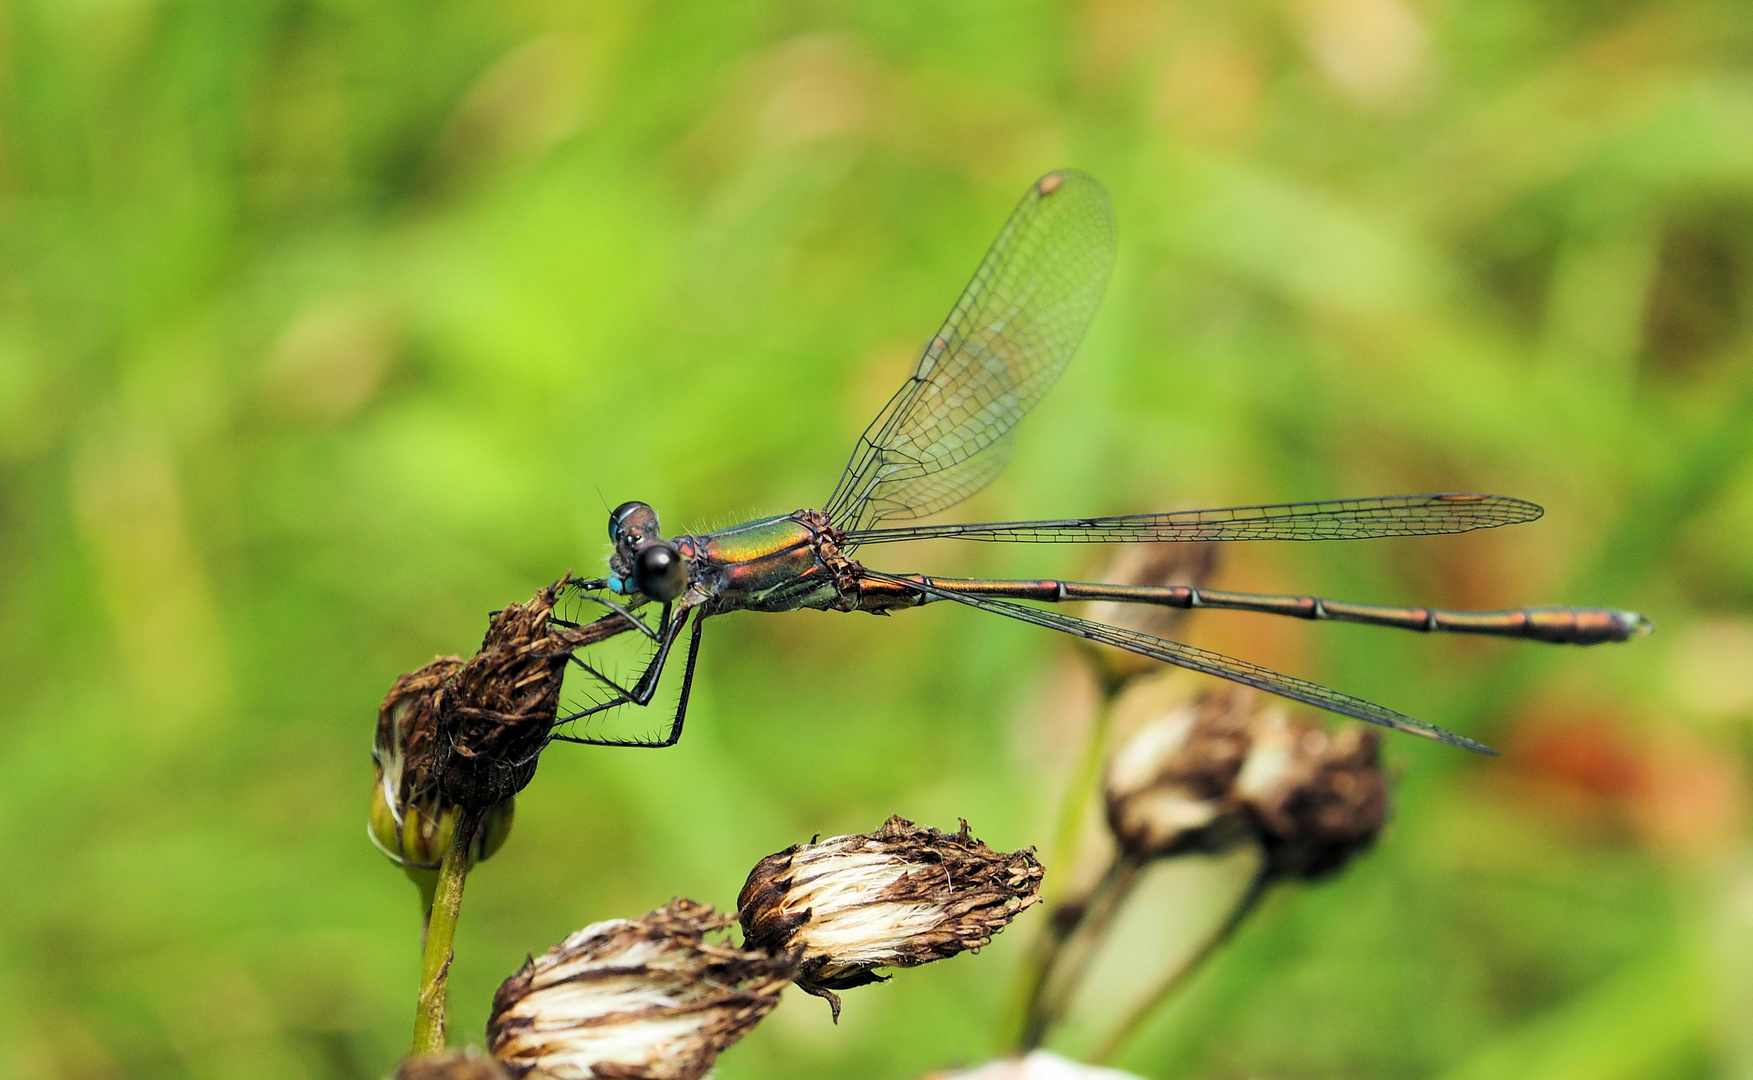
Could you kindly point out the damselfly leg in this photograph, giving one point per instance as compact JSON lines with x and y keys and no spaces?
{"x":591,"y":590}
{"x":644,"y":689}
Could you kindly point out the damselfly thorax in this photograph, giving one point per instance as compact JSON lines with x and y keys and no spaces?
{"x":773,"y":564}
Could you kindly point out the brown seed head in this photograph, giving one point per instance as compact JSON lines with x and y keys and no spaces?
{"x":898,"y":897}
{"x":649,"y":998}
{"x":410,"y":819}
{"x":1191,"y":563}
{"x":1317,"y":796}
{"x":1229,"y":767}
{"x":498,"y":708}
{"x":468,"y":734}
{"x":451,"y":1065}
{"x":1170,"y":788}
{"x":406,"y":747}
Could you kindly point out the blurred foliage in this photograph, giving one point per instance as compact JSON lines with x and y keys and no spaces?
{"x":327,"y":326}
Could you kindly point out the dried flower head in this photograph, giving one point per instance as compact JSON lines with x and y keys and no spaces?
{"x":1170,"y":788}
{"x":1317,"y":796}
{"x":1191,"y":564}
{"x":410,"y":820}
{"x":649,"y":998}
{"x":451,"y":1065}
{"x":1037,"y":1065}
{"x":898,"y":897}
{"x":1229,"y":767}
{"x":496,"y":711}
{"x":468,"y":733}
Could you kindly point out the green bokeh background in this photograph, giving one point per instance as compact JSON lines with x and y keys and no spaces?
{"x":328,"y":326}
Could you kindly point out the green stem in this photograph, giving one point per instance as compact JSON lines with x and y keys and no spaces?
{"x":1067,"y":831}
{"x":1172,"y":983}
{"x":428,"y":889}
{"x":441,"y":929}
{"x":1059,"y":982}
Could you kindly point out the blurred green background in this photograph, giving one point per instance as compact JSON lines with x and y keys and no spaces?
{"x":328,"y":326}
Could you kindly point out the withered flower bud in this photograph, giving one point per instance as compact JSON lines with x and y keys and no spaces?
{"x":1170,"y":788}
{"x":1036,"y":1065}
{"x":468,"y":734}
{"x":1318,"y":796}
{"x":451,"y":1065}
{"x":647,"y":999}
{"x":416,"y":835}
{"x":410,"y":820}
{"x":1190,"y":563}
{"x":496,"y":711}
{"x":898,"y":897}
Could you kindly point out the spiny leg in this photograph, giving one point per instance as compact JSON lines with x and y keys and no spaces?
{"x":640,"y":694}
{"x":643,"y":689}
{"x":675,"y":733}
{"x":587,"y":590}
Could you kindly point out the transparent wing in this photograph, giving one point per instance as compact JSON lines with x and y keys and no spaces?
{"x":1206,"y":662}
{"x":942,"y":436}
{"x":1342,"y":519}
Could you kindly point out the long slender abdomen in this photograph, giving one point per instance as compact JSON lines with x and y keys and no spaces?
{"x":1559,"y":625}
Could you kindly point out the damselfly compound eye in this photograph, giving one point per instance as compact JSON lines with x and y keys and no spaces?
{"x":632,"y":523}
{"x":659,"y":572}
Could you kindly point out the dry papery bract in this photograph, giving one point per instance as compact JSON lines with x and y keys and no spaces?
{"x":898,"y":897}
{"x":452,"y":1065}
{"x":647,"y":998}
{"x":498,"y":709}
{"x":1228,"y":767}
{"x":1037,"y":1065}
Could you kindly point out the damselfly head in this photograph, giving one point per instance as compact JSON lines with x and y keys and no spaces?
{"x":631,"y":525}
{"x":643,"y":560}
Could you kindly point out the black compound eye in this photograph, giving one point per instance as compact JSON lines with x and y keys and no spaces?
{"x":659,"y":572}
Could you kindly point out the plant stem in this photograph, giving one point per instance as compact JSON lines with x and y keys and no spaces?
{"x":1043,"y":957}
{"x":1069,"y":828}
{"x":1127,"y":1028}
{"x":1067,"y":967}
{"x":441,"y":928}
{"x":428,"y":889}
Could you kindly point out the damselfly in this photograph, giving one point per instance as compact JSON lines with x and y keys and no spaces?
{"x":948,"y":432}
